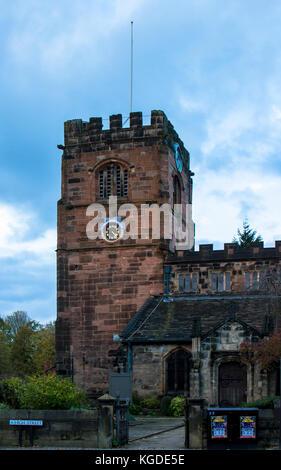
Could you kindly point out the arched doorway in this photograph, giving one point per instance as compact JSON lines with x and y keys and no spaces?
{"x":232,"y":384}
{"x":177,"y":371}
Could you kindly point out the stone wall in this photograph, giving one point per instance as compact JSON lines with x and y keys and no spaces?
{"x":258,"y":262}
{"x":149,"y":371}
{"x":268,"y":428}
{"x":150,"y":366}
{"x":97,"y":302}
{"x":61,"y":428}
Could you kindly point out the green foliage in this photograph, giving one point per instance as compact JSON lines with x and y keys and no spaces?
{"x":5,"y":364}
{"x":10,"y":390}
{"x":135,"y":409}
{"x":262,"y":403}
{"x":44,"y":350}
{"x":26,"y":347}
{"x":136,"y":398}
{"x":165,"y":408}
{"x":16,"y":321}
{"x":177,"y":406}
{"x":135,"y":405}
{"x":22,"y":351}
{"x":247,"y":236}
{"x":4,"y":406}
{"x":50,"y":393}
{"x":151,"y":402}
{"x":44,"y":392}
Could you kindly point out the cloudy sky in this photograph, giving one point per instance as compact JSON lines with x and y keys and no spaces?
{"x":213,"y":66}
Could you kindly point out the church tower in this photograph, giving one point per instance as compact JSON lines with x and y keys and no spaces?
{"x":103,"y":281}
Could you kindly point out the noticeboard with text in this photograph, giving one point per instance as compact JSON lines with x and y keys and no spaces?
{"x":247,"y":427}
{"x":219,"y":427}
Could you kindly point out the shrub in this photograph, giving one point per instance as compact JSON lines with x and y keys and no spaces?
{"x":262,"y":403}
{"x":135,"y":409}
{"x":4,"y":406}
{"x":39,"y":393}
{"x":151,"y":402}
{"x":10,"y":390}
{"x":136,"y":398}
{"x":115,"y":443}
{"x":50,"y":393}
{"x":165,"y":408}
{"x":177,"y":406}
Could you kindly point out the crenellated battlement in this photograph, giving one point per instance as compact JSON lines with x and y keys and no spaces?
{"x":90,"y":136}
{"x":231,"y":251}
{"x":78,"y":127}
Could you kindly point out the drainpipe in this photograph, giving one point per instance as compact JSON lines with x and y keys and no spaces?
{"x":167,"y":279}
{"x":130,"y":357}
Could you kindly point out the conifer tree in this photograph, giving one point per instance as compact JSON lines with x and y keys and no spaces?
{"x":246,"y":236}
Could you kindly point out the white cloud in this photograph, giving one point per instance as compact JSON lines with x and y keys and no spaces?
{"x":17,"y":240}
{"x":223,"y":199}
{"x":59,"y":35}
{"x":239,"y":172}
{"x":27,"y":256}
{"x":189,"y":104}
{"x":225,"y":131}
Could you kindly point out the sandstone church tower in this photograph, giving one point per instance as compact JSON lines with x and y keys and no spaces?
{"x":102,"y":283}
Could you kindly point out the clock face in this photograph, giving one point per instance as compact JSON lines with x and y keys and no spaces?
{"x":178,"y":157}
{"x":112,"y":231}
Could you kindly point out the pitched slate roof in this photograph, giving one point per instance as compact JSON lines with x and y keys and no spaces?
{"x":172,"y":319}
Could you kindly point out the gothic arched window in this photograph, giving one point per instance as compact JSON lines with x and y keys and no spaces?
{"x":113,"y":181}
{"x":177,"y":371}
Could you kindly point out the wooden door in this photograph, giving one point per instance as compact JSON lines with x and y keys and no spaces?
{"x":232,"y":384}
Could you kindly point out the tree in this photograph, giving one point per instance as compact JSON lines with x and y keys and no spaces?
{"x":22,"y":352}
{"x":5,"y":365}
{"x":16,"y":321}
{"x":247,"y":236}
{"x":26,"y":346}
{"x":44,"y":353}
{"x":266,"y":352}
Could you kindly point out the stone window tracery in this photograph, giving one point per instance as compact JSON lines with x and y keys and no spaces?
{"x":188,"y":283}
{"x":220,"y":282}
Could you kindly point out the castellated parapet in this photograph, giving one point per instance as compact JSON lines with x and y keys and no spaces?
{"x":80,"y":136}
{"x":231,"y":251}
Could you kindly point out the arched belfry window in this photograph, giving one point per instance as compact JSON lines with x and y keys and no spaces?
{"x":177,"y":371}
{"x":113,"y":181}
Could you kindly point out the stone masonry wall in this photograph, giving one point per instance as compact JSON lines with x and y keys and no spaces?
{"x":61,"y":428}
{"x":206,"y":261}
{"x":147,"y":359}
{"x":101,"y":285}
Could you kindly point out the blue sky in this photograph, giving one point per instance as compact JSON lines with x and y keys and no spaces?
{"x":213,"y":66}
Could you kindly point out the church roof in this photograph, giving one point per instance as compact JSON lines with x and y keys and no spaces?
{"x":169,"y":320}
